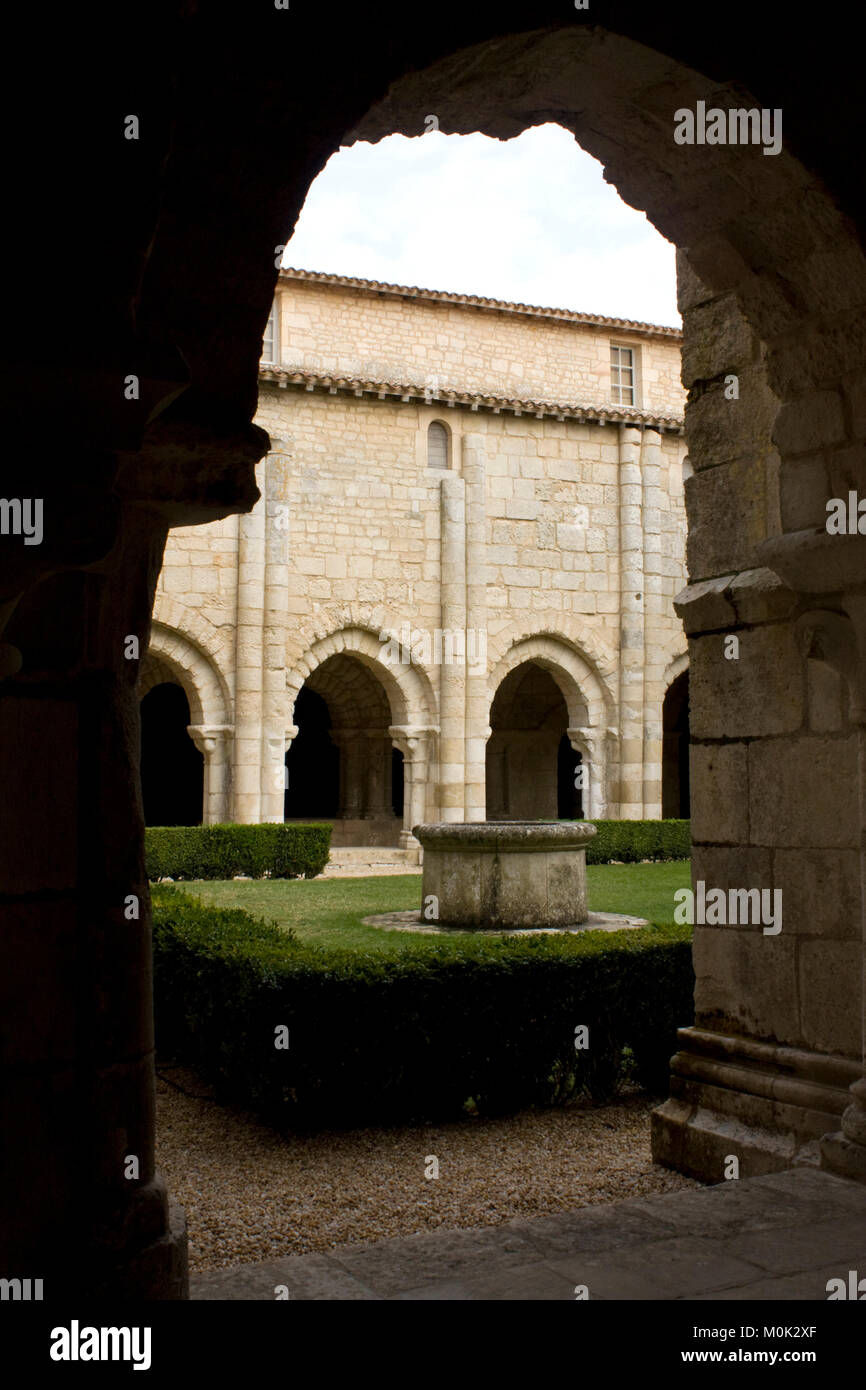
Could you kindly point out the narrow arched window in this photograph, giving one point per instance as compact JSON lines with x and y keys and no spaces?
{"x":437,"y":446}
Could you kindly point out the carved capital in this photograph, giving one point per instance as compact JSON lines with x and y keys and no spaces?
{"x":208,"y":738}
{"x":412,"y":739}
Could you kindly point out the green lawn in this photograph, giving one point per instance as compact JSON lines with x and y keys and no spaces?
{"x":329,"y":911}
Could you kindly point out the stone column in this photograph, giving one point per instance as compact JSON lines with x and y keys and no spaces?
{"x":590,"y":746}
{"x":653,"y":663}
{"x":840,"y":641}
{"x":379,"y":774}
{"x":776,"y":763}
{"x":353,"y":747}
{"x":76,"y":1048}
{"x":631,"y":655}
{"x":275,"y":709}
{"x":289,"y":736}
{"x":212,"y":741}
{"x":415,"y":743}
{"x":476,"y":730}
{"x":247,"y":771}
{"x":452,"y":677}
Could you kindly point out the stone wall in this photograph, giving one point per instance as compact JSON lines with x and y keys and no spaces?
{"x":332,"y":324}
{"x":568,"y":530}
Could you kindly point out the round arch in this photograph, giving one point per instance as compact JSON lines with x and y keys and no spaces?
{"x":173,"y":657}
{"x":590,"y":713}
{"x":172,"y":654}
{"x":586,"y":693}
{"x":408,"y":688}
{"x":368,"y":725}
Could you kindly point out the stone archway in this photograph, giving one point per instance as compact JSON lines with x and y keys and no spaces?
{"x":772,"y":290}
{"x":589,"y":708}
{"x":527,"y":777}
{"x":378,"y":732}
{"x":173,"y":656}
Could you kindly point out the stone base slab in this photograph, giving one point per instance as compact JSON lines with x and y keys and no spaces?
{"x":414,"y":921}
{"x":767,"y":1105}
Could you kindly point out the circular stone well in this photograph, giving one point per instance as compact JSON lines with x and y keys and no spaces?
{"x":505,"y":875}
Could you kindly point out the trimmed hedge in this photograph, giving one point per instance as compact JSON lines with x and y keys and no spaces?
{"x":631,"y":841}
{"x":221,"y":851}
{"x":486,"y":1026}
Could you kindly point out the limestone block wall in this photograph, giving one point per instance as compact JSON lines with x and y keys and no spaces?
{"x":361,"y":328}
{"x":777,"y":749}
{"x":558,"y":541}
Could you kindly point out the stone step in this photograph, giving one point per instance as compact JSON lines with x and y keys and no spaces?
{"x":371,"y":859}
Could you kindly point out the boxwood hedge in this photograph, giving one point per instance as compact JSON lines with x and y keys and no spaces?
{"x":289,"y":851}
{"x":221,"y":851}
{"x":631,"y":841}
{"x":428,"y":1033}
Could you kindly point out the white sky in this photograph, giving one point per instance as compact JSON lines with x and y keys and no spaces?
{"x":529,"y":219}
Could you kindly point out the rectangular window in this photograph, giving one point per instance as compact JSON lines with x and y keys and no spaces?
{"x":271,"y":339}
{"x":622,"y":375}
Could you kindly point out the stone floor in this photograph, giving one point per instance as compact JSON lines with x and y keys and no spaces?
{"x":776,"y":1237}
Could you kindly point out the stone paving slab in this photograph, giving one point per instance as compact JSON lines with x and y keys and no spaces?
{"x":781,"y":1236}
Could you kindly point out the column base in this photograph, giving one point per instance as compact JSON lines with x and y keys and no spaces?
{"x":840,"y":1155}
{"x":158,"y":1272}
{"x":767,"y":1105}
{"x":845,"y":1151}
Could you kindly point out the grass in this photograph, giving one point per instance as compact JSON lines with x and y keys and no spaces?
{"x":328,"y":912}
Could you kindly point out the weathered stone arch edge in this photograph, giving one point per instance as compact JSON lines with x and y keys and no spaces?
{"x":197,"y":671}
{"x":408,"y":687}
{"x":674,"y":668}
{"x":217,"y":643}
{"x":565,"y":657}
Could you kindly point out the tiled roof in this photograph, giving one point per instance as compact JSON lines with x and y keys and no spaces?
{"x":653,"y":330}
{"x":363,"y":386}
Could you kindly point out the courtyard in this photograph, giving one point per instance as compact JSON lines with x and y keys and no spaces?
{"x":330,"y":912}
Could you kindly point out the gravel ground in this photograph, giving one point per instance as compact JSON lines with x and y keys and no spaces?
{"x":251,"y":1195}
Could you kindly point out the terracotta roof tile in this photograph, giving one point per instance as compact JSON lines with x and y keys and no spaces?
{"x":359,"y":386}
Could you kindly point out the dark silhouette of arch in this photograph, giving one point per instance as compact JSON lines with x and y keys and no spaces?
{"x":172,"y":768}
{"x":313,"y":762}
{"x":675,"y":750}
{"x":530,"y":761}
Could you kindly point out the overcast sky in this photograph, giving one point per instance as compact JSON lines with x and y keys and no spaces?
{"x":529,"y":219}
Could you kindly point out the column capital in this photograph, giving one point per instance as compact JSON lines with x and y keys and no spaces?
{"x":411,"y":739}
{"x":208,"y":737}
